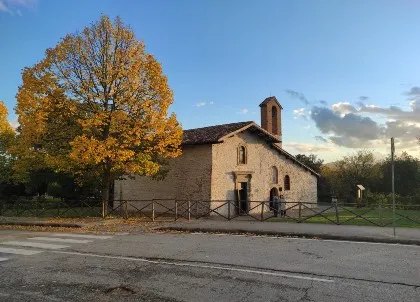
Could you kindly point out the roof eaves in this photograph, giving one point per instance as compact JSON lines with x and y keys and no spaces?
{"x":236,"y":131}
{"x":251,"y":124}
{"x":290,"y":156}
{"x":267,"y":133}
{"x":200,"y":143}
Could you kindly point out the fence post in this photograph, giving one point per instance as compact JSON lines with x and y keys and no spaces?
{"x":189,"y":210}
{"x":262,"y":211}
{"x":125,"y":209}
{"x":176,"y":210}
{"x":300,"y":211}
{"x":153,"y":210}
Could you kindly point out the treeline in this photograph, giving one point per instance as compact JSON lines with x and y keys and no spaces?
{"x":362,"y":168}
{"x":49,"y":184}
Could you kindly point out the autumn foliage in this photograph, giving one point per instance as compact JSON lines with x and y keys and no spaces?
{"x":7,"y":139}
{"x":97,"y":104}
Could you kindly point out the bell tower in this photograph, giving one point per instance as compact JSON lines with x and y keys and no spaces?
{"x":271,"y":116}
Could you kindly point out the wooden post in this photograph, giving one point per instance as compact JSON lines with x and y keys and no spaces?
{"x":153,"y":210}
{"x":125,"y":209}
{"x":393,"y":181}
{"x":262,"y":211}
{"x":176,"y":210}
{"x":189,"y":210}
{"x":125,"y":205}
{"x":300,"y":211}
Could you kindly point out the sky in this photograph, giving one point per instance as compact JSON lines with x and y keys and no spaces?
{"x":347,"y":73}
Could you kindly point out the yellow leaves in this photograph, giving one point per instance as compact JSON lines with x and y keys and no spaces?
{"x":5,"y":127}
{"x":89,"y":150}
{"x":97,"y":99}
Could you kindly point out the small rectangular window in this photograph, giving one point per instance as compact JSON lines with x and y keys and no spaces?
{"x":242,"y":155}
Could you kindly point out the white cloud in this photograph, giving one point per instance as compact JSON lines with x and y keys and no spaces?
{"x":243,"y":111}
{"x":200,"y":104}
{"x":3,"y":7}
{"x":346,"y":126}
{"x":343,"y":108}
{"x":310,"y":148}
{"x":300,"y":112}
{"x":13,"y":6}
{"x":297,"y":95}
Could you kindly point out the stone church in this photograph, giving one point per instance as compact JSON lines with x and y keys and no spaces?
{"x":240,"y":162}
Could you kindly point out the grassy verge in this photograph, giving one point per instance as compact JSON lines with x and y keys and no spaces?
{"x":369,"y":216}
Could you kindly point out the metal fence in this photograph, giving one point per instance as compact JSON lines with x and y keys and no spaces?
{"x":174,"y":210}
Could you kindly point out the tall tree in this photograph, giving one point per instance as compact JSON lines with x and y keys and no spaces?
{"x":345,"y":174}
{"x":98,"y":104}
{"x":7,"y":137}
{"x":407,"y":175}
{"x":311,"y":160}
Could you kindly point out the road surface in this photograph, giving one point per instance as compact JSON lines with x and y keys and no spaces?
{"x":39,"y":266}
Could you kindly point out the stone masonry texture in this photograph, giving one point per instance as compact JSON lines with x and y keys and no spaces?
{"x":207,"y":172}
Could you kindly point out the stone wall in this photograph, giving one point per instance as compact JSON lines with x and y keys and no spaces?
{"x":261,"y":157}
{"x":206,"y":172}
{"x":189,"y":178}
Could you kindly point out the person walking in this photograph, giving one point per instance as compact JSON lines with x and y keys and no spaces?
{"x":276,"y":206}
{"x":282,"y":203}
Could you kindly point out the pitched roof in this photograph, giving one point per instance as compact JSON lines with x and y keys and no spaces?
{"x":211,"y":134}
{"x":215,"y":134}
{"x":271,"y":98}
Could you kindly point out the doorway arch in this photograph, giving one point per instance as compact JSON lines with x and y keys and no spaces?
{"x":273,"y":192}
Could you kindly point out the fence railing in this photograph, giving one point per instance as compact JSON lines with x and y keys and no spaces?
{"x":173,"y":210}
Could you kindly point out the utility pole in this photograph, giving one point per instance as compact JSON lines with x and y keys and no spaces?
{"x":392,"y":177}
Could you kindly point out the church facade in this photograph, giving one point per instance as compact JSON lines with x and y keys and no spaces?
{"x":239,"y":162}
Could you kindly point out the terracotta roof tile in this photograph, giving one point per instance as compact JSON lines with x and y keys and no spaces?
{"x":211,"y":134}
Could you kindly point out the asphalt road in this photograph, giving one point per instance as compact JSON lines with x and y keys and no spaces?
{"x":202,"y":267}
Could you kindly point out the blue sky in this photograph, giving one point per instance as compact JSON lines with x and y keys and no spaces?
{"x":346,"y":72}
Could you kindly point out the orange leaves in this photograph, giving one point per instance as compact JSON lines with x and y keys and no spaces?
{"x":5,"y":127}
{"x":98,"y":100}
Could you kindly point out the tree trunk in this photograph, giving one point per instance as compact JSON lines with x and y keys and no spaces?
{"x":105,"y":191}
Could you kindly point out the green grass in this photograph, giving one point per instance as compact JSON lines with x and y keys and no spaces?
{"x":370,"y":216}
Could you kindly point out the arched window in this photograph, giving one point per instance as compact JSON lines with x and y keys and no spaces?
{"x":274,"y":119}
{"x":287,"y":183}
{"x":242,"y":155}
{"x":274,"y":175}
